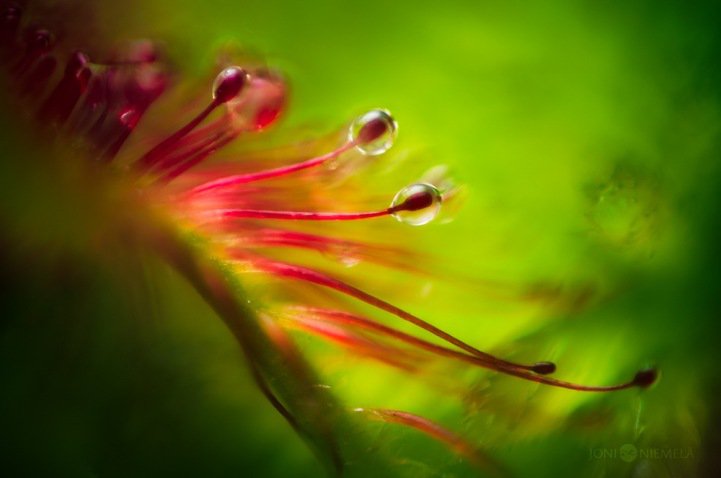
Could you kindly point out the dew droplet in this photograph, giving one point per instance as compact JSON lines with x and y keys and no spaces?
{"x":374,"y":132}
{"x":454,"y":194}
{"x":229,"y":83}
{"x":262,"y":104}
{"x":417,"y":204}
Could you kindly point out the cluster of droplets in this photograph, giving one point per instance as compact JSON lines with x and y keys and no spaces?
{"x":229,"y":83}
{"x":371,"y":134}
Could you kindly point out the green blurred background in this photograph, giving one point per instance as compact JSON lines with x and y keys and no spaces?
{"x":587,"y":136}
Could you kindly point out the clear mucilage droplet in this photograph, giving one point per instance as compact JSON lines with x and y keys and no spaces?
{"x":262,"y":103}
{"x":454,"y":194}
{"x":417,"y":204}
{"x":374,"y":132}
{"x":229,"y":83}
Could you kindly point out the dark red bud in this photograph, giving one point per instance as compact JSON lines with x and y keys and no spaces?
{"x":229,"y":84}
{"x":417,"y":201}
{"x":372,"y":130}
{"x":645,"y":378}
{"x":544,"y":368}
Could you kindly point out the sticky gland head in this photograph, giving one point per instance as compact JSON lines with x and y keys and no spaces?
{"x":373,"y":133}
{"x":543,"y":368}
{"x":228,"y":84}
{"x":645,"y":378}
{"x":372,"y":130}
{"x":417,"y":204}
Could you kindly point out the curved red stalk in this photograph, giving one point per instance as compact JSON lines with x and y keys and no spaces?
{"x":377,"y":253}
{"x":189,"y":145}
{"x":415,"y":202}
{"x":196,"y":155}
{"x":300,"y":215}
{"x":157,"y":153}
{"x":525,"y":372}
{"x":300,"y":273}
{"x":385,"y":353}
{"x":346,"y":318}
{"x":271,"y":173}
{"x":437,"y":432}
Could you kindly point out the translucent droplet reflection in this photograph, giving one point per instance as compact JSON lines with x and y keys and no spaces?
{"x":374,"y":132}
{"x":262,"y":103}
{"x":417,"y":204}
{"x":454,"y":194}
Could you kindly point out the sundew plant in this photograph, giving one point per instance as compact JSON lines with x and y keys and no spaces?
{"x":359,"y":239}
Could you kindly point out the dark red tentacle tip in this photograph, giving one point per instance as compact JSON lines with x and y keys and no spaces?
{"x":372,"y":130}
{"x":645,"y":378}
{"x":543,"y":368}
{"x":416,"y":202}
{"x":229,"y":83}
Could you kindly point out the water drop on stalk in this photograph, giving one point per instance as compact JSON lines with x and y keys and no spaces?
{"x":374,"y":132}
{"x":417,"y":204}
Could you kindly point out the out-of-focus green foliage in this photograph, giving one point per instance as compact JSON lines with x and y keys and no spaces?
{"x":587,"y":135}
